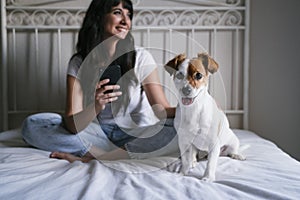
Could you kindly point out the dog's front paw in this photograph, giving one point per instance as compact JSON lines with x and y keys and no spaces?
{"x":237,"y":157}
{"x":185,"y":169}
{"x":194,"y":163}
{"x":208,"y":178}
{"x":175,"y":167}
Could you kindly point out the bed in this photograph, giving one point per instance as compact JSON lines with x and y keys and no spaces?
{"x":43,"y":33}
{"x":28,"y":173}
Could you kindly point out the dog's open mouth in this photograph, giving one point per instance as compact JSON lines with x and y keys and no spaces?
{"x":187,"y":101}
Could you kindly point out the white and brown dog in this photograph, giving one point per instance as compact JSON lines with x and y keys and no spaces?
{"x":203,"y":129}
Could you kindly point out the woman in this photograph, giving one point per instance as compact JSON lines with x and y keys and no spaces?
{"x":106,"y":33}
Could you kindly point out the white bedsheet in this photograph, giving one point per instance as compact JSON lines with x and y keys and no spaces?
{"x":28,"y":173}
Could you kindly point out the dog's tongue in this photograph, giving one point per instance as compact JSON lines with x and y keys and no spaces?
{"x":187,"y":101}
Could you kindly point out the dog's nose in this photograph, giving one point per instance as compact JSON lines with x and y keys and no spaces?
{"x":186,"y":90}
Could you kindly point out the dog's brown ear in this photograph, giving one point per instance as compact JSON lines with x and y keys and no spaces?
{"x":174,"y":63}
{"x":209,"y":63}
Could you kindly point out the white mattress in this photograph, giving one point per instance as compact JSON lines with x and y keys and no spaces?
{"x":28,"y":173}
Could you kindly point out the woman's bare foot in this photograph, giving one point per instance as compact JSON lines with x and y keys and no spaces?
{"x":71,"y":158}
{"x":116,"y":154}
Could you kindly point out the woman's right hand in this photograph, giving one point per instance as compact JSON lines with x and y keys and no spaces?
{"x":102,"y":98}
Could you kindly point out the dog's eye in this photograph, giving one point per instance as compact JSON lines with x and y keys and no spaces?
{"x":179,"y":75}
{"x":198,"y":76}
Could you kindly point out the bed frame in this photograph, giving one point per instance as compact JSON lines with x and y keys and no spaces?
{"x":39,"y":38}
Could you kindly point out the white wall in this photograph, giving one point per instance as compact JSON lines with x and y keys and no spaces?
{"x":275,"y":72}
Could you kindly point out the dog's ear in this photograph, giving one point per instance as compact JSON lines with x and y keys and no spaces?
{"x":209,"y":63}
{"x":174,"y":63}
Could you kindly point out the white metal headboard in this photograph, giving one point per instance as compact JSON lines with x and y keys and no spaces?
{"x":38,"y":40}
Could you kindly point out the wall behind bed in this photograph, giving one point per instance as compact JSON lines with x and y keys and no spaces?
{"x":275,"y":72}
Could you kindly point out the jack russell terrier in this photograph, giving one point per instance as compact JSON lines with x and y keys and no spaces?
{"x":203,"y":129}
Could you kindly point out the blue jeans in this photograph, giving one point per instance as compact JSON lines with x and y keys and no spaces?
{"x":46,"y":131}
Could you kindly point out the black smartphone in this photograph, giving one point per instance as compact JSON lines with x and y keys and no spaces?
{"x":113,"y":73}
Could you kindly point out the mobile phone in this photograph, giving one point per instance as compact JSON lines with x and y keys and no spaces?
{"x":113,"y":73}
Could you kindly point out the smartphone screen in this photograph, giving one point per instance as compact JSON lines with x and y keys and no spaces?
{"x":113,"y":73}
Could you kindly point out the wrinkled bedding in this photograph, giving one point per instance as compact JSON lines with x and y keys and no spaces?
{"x":29,"y":173}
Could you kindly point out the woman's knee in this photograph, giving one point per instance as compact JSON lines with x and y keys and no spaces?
{"x":37,"y":123}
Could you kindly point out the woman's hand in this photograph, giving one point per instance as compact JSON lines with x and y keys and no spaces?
{"x":102,"y":96}
{"x":78,"y":117}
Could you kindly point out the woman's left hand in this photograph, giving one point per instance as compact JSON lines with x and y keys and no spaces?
{"x":105,"y":94}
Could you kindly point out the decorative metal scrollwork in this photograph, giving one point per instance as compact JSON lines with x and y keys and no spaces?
{"x":233,"y":2}
{"x":137,"y":2}
{"x":232,"y":17}
{"x":25,"y":2}
{"x":189,"y":18}
{"x":43,"y":17}
{"x":166,"y":18}
{"x":210,"y":16}
{"x":144,"y":18}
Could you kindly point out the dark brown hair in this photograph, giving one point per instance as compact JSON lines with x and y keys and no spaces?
{"x":92,"y":33}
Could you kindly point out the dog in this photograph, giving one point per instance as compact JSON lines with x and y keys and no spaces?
{"x":203,"y":129}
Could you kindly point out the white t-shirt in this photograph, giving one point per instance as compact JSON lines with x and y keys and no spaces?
{"x":138,"y":112}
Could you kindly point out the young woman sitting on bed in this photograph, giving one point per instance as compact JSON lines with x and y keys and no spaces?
{"x":107,"y":23}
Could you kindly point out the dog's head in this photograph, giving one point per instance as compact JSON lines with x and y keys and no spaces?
{"x":191,"y":75}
